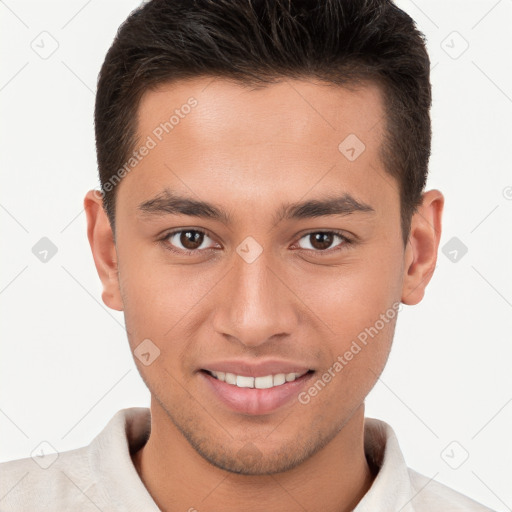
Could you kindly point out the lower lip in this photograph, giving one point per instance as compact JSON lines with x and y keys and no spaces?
{"x":255,"y":401}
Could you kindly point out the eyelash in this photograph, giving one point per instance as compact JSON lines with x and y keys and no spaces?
{"x":188,"y":252}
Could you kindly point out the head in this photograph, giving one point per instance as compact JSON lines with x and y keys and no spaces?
{"x":305,"y":126}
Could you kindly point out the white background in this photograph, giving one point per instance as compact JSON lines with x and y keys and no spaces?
{"x":65,"y":367}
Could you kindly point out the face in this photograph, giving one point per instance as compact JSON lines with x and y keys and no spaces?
{"x":256,"y":284}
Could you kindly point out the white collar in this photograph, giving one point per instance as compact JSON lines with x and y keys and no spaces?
{"x":128,"y":430}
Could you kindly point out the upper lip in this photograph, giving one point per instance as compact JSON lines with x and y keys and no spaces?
{"x":252,"y":369}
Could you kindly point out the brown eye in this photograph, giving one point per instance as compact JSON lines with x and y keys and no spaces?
{"x":321,"y":241}
{"x":191,"y":239}
{"x":186,"y":240}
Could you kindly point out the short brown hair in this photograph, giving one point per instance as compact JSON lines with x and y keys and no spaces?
{"x":344,"y":42}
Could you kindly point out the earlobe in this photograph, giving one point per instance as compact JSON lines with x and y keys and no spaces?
{"x":421,"y":250}
{"x":101,"y":240}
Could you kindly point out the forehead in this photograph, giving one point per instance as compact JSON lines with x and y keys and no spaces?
{"x":243,"y":113}
{"x":213,"y":135}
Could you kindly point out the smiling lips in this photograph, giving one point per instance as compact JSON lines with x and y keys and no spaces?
{"x":255,"y":389}
{"x":266,"y":382}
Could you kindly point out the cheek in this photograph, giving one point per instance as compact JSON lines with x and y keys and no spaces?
{"x":154,"y":311}
{"x":162,"y":302}
{"x":353,"y":295}
{"x":359,"y":303}
{"x":150,"y":299}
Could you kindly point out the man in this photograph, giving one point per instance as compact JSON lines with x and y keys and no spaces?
{"x":262,"y":216}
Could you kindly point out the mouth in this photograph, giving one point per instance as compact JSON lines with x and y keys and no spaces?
{"x":255,"y":395}
{"x":266,"y":382}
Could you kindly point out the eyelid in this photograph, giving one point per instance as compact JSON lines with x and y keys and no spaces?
{"x":345,"y":241}
{"x":168,"y":234}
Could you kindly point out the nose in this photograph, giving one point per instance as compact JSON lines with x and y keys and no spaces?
{"x":255,"y":304}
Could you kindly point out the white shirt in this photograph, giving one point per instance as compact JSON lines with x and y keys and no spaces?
{"x":102,"y":477}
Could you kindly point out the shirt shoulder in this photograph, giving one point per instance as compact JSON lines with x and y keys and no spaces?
{"x":398,"y":487}
{"x":41,"y":483}
{"x":433,"y":495}
{"x":99,"y":476}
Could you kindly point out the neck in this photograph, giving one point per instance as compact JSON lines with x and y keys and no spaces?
{"x":178,"y":478}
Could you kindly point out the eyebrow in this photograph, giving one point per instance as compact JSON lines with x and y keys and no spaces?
{"x":169,"y":203}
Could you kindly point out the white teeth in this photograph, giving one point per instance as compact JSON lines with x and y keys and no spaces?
{"x":279,"y":379}
{"x":269,"y":381}
{"x":263,"y":382}
{"x":230,"y":378}
{"x":244,"y":382}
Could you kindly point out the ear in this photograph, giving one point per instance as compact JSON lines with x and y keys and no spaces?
{"x":421,"y":250}
{"x":101,"y":240}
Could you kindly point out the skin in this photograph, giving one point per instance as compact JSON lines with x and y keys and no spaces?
{"x":249,"y":151}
